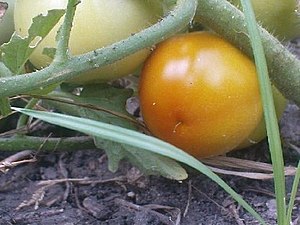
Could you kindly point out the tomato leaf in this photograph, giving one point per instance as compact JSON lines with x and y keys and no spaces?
{"x":115,"y":99}
{"x":101,"y":102}
{"x":112,"y":99}
{"x":138,"y":140}
{"x":148,"y":162}
{"x":114,"y":151}
{"x":15,"y":53}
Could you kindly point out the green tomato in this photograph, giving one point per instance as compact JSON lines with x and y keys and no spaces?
{"x":260,"y":131}
{"x":277,"y":16}
{"x":7,"y":23}
{"x":97,"y":23}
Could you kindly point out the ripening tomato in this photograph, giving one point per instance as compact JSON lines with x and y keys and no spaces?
{"x":97,"y":23}
{"x":200,"y":93}
{"x":7,"y":23}
{"x":260,"y":131}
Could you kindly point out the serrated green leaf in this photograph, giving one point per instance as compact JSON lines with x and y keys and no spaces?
{"x":114,"y":99}
{"x":114,"y":152}
{"x":16,"y":52}
{"x":148,"y":162}
{"x":4,"y":71}
{"x":103,"y":96}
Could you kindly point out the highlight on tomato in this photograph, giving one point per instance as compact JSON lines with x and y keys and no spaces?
{"x":200,"y":93}
{"x":97,"y":23}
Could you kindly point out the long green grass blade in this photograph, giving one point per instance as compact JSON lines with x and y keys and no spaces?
{"x":136,"y":139}
{"x":269,"y":111}
{"x":293,"y":194}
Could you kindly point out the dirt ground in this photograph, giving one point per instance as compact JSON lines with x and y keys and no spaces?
{"x":76,"y":187}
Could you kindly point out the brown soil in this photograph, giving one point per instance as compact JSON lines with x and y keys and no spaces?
{"x":79,"y":189}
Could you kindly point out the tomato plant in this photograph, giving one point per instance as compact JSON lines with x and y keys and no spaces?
{"x":7,"y":23}
{"x":200,"y":93}
{"x":279,"y":17}
{"x":97,"y":23}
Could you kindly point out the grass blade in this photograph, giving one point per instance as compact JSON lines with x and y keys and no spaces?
{"x":269,"y":111}
{"x":136,"y":139}
{"x":293,"y":194}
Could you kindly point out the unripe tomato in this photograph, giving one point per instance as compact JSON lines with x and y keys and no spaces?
{"x":7,"y":23}
{"x":277,"y":16}
{"x":97,"y":23}
{"x":200,"y":93}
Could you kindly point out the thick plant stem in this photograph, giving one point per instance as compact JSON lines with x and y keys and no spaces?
{"x":230,"y":23}
{"x":4,"y":101}
{"x":175,"y":21}
{"x":23,"y":119}
{"x":63,"y":34}
{"x":19,"y":143}
{"x":4,"y":107}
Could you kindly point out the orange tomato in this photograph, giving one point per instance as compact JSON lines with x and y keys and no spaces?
{"x":260,"y":131}
{"x":200,"y":93}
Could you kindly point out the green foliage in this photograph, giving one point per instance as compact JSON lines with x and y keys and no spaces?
{"x":102,"y":103}
{"x":102,"y":107}
{"x":293,"y":193}
{"x":15,"y":53}
{"x":137,"y":140}
{"x":148,"y":162}
{"x":283,"y":216}
{"x":108,"y":105}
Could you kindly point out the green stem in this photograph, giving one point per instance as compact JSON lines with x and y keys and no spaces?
{"x":23,"y":119}
{"x":175,"y":21}
{"x":19,"y":143}
{"x":63,"y":34}
{"x":5,"y":109}
{"x":284,"y":68}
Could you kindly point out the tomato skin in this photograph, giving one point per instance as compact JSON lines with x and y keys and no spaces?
{"x":97,"y":23}
{"x":200,"y":93}
{"x":7,"y":23}
{"x":260,"y":131}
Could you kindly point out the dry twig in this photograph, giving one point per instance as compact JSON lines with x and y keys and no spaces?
{"x":26,"y":156}
{"x":241,"y":167}
{"x":189,"y":198}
